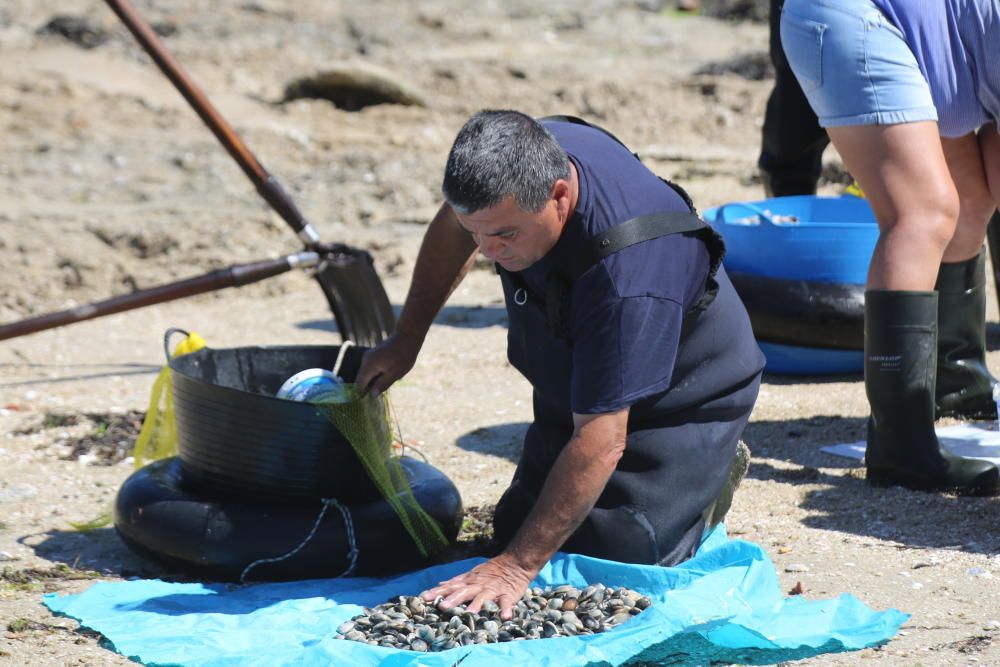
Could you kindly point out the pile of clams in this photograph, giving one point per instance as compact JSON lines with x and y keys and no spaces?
{"x":410,"y":623}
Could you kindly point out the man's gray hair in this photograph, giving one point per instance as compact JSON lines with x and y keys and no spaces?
{"x":499,"y":154}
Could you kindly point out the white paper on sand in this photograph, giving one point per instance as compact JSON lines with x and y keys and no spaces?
{"x":979,"y":441}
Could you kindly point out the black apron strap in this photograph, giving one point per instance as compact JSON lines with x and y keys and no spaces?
{"x":614,"y":239}
{"x":557,"y":288}
{"x":644,"y":228}
{"x":625,"y":234}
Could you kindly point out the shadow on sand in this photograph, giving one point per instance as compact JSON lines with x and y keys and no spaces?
{"x":835,"y":496}
{"x":99,"y":550}
{"x":848,"y":504}
{"x":461,"y":317}
{"x":503,"y":440}
{"x":839,"y":499}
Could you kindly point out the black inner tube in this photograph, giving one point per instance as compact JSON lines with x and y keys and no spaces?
{"x":161,"y":518}
{"x":803,"y":313}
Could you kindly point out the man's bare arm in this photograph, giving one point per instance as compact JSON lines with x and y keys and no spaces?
{"x":571,"y":489}
{"x":446,"y":253}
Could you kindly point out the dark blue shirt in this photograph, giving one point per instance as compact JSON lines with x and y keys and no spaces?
{"x":624,"y":320}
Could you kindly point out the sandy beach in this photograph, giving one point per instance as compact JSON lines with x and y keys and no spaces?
{"x":109,"y":183}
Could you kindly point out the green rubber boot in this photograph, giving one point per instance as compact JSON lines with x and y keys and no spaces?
{"x":900,"y":352}
{"x":964,"y":383}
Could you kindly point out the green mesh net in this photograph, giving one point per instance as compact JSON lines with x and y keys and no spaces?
{"x":364,"y":420}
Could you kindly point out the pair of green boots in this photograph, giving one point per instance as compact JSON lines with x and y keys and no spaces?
{"x":925,"y":357}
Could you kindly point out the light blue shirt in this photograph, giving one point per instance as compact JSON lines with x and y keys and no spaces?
{"x":957,"y":47}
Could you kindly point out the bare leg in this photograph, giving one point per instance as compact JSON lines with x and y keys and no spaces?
{"x":989,"y":146}
{"x":903,"y":172}
{"x":976,"y":205}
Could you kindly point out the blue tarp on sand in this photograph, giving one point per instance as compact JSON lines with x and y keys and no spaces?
{"x":723,"y":605}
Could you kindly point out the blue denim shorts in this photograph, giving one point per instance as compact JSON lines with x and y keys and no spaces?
{"x":853,"y":64}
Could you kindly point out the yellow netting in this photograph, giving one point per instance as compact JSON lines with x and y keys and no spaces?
{"x":158,"y":436}
{"x":364,"y":421}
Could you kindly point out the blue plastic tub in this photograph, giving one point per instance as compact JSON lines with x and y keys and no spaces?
{"x":821,"y":239}
{"x":804,"y":239}
{"x":792,"y":360}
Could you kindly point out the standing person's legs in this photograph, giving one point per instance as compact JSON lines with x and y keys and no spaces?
{"x":965,"y":159}
{"x":905,"y":176}
{"x":903,"y":172}
{"x":792,"y":141}
{"x":864,"y":83}
{"x":989,"y":144}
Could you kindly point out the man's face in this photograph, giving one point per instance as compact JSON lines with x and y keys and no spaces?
{"x":513,"y":238}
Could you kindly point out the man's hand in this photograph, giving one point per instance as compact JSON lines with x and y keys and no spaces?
{"x":500,"y":580}
{"x":446,"y":254}
{"x":387,"y":362}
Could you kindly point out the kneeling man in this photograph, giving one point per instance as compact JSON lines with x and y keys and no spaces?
{"x":640,"y":353}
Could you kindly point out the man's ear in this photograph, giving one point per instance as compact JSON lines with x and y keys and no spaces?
{"x":560,"y":188}
{"x":561,"y":193}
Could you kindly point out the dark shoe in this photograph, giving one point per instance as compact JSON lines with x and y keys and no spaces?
{"x":966,"y":477}
{"x":900,"y":353}
{"x":964,"y":383}
{"x":786,"y":185}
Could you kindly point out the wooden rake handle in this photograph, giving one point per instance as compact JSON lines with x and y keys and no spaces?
{"x":233,"y":276}
{"x":268,"y":187}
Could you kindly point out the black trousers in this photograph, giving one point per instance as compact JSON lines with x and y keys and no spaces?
{"x":792,"y":147}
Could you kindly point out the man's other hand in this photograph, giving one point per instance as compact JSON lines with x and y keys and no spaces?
{"x":387,"y":362}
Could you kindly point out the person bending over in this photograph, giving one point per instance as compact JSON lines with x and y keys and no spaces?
{"x":909,"y":92}
{"x":642,"y":361}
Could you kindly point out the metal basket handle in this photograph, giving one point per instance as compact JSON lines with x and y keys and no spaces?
{"x":166,"y":340}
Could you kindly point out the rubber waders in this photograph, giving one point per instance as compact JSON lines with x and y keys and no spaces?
{"x":964,"y":383}
{"x":900,"y":368}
